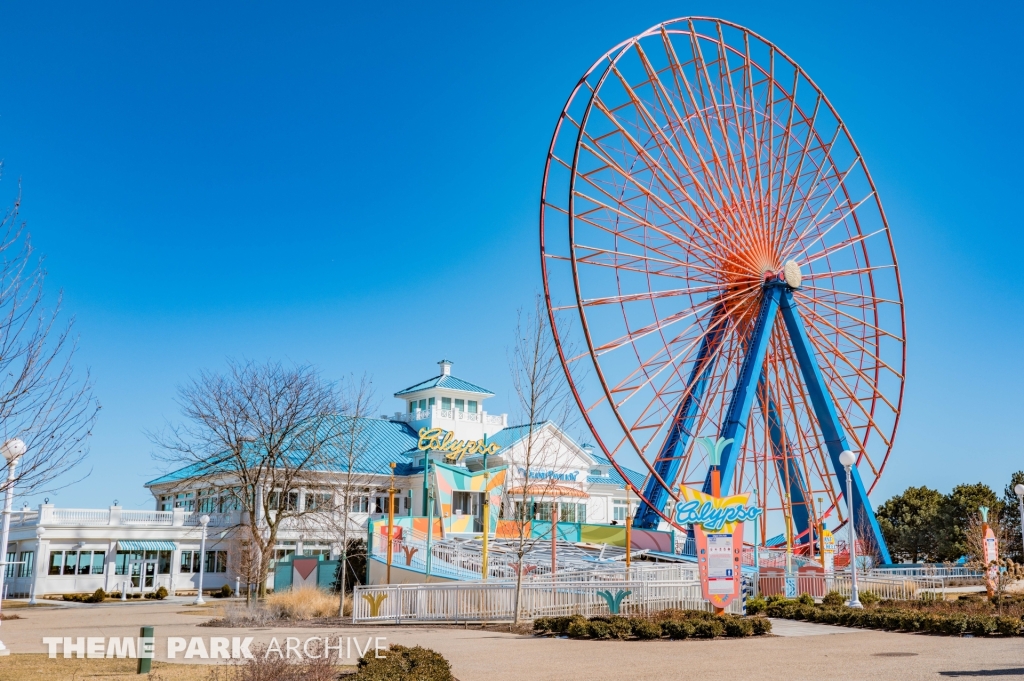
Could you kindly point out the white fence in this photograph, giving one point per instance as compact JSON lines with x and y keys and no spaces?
{"x":818,"y":585}
{"x":480,"y":601}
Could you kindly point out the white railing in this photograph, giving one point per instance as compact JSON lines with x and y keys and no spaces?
{"x":942,"y":571}
{"x":494,"y":420}
{"x":818,"y":585}
{"x":79,"y":516}
{"x":216,"y":519}
{"x":147,"y":517}
{"x":478,"y":601}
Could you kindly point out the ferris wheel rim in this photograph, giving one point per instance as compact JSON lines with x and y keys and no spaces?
{"x":608,"y":60}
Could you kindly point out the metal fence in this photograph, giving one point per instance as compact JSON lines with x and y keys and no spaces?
{"x":818,"y":585}
{"x":475,"y":602}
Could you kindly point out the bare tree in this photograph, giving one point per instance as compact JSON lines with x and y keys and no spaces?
{"x":358,"y":404}
{"x":244,"y":558}
{"x":542,"y":395}
{"x":42,"y":399}
{"x":264,"y":432}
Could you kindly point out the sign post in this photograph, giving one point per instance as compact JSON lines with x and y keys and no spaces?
{"x":717,"y":524}
{"x":991,"y":553}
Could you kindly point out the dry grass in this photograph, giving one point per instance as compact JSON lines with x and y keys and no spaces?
{"x":32,"y":667}
{"x":303,"y":604}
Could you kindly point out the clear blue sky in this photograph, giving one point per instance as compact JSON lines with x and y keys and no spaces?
{"x":356,"y":186}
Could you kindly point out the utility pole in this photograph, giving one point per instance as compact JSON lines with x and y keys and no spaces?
{"x":487,"y":515}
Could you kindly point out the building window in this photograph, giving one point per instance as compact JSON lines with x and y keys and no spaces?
{"x":572,"y":513}
{"x":446,"y":403}
{"x":216,"y":561}
{"x":318,"y":552}
{"x":460,"y":405}
{"x":423,"y":405}
{"x":471,"y":406}
{"x":412,"y":406}
{"x":359,"y":504}
{"x":76,"y":562}
{"x":430,"y":402}
{"x":188,"y":562}
{"x":27,"y":563}
{"x":121,"y":562}
{"x":619,"y":510}
{"x":9,"y":572}
{"x":319,"y":501}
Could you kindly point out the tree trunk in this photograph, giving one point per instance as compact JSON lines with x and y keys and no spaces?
{"x":344,"y":566}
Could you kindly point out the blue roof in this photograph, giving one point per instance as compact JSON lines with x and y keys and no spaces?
{"x":378,"y":441}
{"x":635,"y":477}
{"x":449,"y":382}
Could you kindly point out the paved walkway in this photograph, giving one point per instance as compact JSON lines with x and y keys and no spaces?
{"x":789,"y":628}
{"x":814,"y":652}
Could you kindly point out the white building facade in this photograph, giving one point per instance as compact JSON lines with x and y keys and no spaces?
{"x":56,"y":551}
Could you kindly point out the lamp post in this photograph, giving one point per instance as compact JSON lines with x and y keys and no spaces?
{"x":430,"y":519}
{"x":204,"y":520}
{"x":12,"y":451}
{"x":847,"y":459}
{"x":1019,"y":491}
{"x":487,"y":516}
{"x":391,"y":518}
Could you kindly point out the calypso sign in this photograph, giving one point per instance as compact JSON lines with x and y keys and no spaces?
{"x":718,"y":532}
{"x":441,"y":440}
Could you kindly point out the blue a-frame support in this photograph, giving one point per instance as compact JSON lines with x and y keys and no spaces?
{"x":671,"y":455}
{"x":777,"y":297}
{"x":784,"y":460}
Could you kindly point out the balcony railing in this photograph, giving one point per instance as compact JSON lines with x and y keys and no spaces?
{"x":115,"y":515}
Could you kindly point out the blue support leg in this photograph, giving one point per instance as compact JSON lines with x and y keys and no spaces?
{"x":670,"y":458}
{"x":785,"y":461}
{"x":863,"y":515}
{"x":736,"y":419}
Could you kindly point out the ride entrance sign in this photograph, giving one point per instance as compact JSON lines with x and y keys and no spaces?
{"x":718,"y":533}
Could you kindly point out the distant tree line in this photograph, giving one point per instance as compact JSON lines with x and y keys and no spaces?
{"x":924,"y":525}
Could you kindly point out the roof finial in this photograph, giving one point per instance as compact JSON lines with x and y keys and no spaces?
{"x":446,"y":367}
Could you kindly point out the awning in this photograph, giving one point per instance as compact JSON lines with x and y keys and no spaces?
{"x":132,"y":545}
{"x":547,"y":490}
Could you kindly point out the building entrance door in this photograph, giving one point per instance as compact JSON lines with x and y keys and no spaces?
{"x":143,"y":574}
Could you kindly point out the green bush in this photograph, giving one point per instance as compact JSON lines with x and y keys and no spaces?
{"x":621,"y":628}
{"x":981,"y":625}
{"x":645,"y":629}
{"x":578,"y":628}
{"x":806,"y":599}
{"x":833,"y":599}
{"x":599,"y":629}
{"x":762,"y":625}
{"x":737,"y":626}
{"x":756,"y":605}
{"x":225,"y":592}
{"x":708,"y":628}
{"x":402,"y":663}
{"x":678,"y":629}
{"x":159,"y":594}
{"x":868,"y":597}
{"x":542,"y":624}
{"x":96,"y":596}
{"x":560,"y":625}
{"x":1008,"y":626}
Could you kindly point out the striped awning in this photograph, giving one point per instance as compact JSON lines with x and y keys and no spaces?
{"x":133,"y":545}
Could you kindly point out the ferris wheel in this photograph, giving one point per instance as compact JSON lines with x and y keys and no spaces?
{"x":717,"y":263}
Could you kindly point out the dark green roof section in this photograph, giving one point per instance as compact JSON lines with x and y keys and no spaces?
{"x":449,"y":382}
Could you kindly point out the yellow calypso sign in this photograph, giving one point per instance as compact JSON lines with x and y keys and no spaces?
{"x":714,"y":514}
{"x":440,"y":440}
